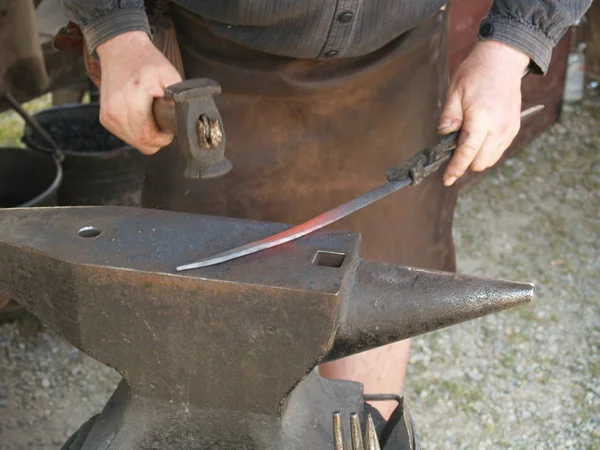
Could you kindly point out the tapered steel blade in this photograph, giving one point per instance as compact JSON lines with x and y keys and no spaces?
{"x":298,"y":231}
{"x":316,"y":223}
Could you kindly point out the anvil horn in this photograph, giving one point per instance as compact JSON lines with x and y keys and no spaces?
{"x":392,"y":303}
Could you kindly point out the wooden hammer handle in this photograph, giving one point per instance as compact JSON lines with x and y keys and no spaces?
{"x":164,"y":115}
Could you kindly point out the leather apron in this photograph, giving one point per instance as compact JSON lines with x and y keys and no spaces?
{"x":307,"y":135}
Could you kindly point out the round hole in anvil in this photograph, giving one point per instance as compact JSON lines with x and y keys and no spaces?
{"x":89,"y":232}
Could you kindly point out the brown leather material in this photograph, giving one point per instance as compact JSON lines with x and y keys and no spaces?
{"x":165,"y":39}
{"x":305,"y":136}
{"x":69,"y":39}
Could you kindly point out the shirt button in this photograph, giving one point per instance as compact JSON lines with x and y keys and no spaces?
{"x":345,"y":17}
{"x":331,"y":53}
{"x":486,"y":29}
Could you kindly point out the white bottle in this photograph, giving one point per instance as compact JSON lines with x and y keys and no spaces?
{"x":575,"y":80}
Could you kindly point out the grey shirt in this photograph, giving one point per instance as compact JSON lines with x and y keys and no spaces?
{"x":318,"y":29}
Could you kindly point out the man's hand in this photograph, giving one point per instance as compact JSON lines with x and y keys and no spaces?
{"x":134,"y":72}
{"x":484,"y":102}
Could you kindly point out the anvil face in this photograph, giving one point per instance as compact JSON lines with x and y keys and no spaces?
{"x":192,"y":337}
{"x":157,"y":241}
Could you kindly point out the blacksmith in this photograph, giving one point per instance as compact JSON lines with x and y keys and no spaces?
{"x":319,"y":98}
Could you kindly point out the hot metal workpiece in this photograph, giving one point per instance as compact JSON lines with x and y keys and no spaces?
{"x":223,"y":357}
{"x":421,"y":165}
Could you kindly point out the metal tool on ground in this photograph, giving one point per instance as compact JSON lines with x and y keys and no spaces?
{"x":228,"y":359}
{"x":420,"y":166}
{"x":188,"y":110}
{"x":370,"y":441}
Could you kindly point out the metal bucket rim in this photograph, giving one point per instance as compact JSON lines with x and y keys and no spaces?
{"x":71,"y":106}
{"x":50,"y":189}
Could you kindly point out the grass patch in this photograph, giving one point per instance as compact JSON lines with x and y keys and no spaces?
{"x":11,"y":124}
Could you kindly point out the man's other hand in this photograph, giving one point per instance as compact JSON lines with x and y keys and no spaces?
{"x":134,"y":72}
{"x":484,"y":102}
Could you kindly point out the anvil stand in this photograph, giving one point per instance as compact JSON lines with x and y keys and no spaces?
{"x":222,"y":357}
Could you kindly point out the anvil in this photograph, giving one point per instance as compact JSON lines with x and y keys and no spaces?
{"x":223,"y":357}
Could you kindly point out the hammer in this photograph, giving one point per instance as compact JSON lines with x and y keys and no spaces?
{"x":188,"y":110}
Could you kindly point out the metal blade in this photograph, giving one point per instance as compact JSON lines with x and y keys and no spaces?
{"x":298,"y":231}
{"x":318,"y":222}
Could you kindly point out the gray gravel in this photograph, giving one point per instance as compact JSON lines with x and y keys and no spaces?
{"x":528,"y":378}
{"x":524,"y":379}
{"x":47,"y":389}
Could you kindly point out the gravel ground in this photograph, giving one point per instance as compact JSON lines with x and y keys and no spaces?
{"x":528,"y":378}
{"x":524,"y":379}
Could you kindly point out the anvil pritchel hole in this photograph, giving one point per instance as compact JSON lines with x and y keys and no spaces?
{"x":329,"y":259}
{"x":89,"y":232}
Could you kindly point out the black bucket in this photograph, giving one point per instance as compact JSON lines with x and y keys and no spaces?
{"x":99,"y":169}
{"x":27,"y":178}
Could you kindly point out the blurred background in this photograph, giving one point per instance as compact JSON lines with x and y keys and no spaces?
{"x":524,"y":379}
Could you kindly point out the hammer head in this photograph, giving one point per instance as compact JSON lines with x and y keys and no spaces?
{"x":199,"y":127}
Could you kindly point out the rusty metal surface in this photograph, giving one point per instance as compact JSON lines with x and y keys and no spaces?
{"x":236,"y":343}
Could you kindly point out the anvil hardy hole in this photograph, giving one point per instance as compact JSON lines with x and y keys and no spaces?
{"x":89,"y":232}
{"x":329,"y":259}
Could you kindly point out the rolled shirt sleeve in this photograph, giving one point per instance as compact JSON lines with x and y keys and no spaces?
{"x":532,"y":26}
{"x":104,"y":19}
